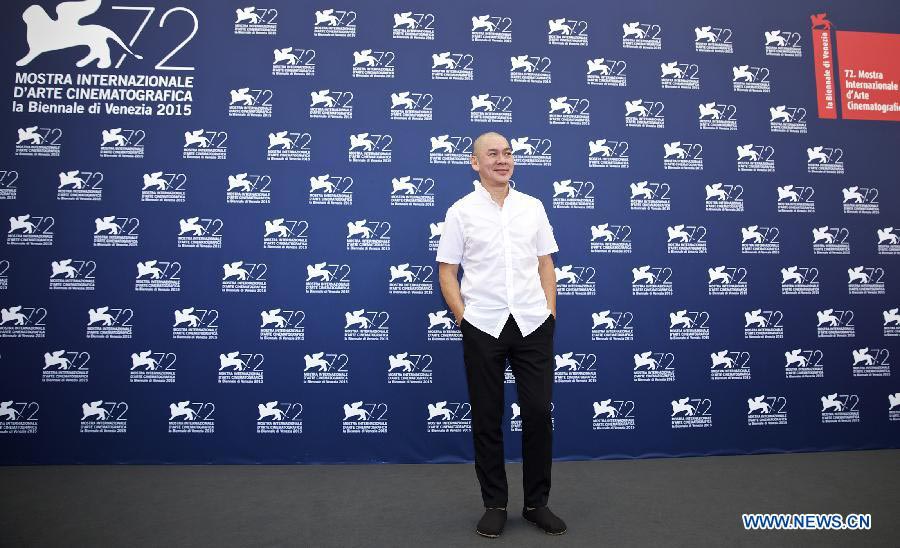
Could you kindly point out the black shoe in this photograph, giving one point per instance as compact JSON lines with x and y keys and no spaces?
{"x":545,"y":519}
{"x":491,"y":523}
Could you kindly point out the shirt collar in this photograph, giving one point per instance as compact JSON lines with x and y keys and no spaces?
{"x":479,"y":188}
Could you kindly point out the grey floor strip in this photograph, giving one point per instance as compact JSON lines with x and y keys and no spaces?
{"x":650,"y":502}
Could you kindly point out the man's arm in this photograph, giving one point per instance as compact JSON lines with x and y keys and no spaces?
{"x":447,"y":276}
{"x":548,"y":281}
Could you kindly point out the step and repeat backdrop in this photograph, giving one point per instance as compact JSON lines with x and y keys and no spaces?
{"x":223,"y":218}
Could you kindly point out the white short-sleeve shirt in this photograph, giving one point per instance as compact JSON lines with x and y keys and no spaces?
{"x":498,"y":249}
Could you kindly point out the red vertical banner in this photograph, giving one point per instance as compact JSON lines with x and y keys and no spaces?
{"x":823,"y":57}
{"x":869,"y":75}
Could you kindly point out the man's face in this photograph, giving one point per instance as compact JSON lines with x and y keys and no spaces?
{"x":493,"y":160}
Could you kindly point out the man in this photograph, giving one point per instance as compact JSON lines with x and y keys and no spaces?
{"x":506,"y":309}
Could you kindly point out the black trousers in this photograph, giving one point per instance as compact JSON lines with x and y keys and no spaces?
{"x":531,"y":360}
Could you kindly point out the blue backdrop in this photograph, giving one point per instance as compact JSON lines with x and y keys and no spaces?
{"x":224,"y":251}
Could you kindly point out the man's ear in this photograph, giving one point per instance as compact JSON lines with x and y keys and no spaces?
{"x":474,"y":162}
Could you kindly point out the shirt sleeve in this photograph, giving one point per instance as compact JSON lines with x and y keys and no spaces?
{"x":546,"y":243}
{"x":451,"y":245}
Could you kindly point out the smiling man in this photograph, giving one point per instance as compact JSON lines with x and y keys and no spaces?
{"x":506,"y":309}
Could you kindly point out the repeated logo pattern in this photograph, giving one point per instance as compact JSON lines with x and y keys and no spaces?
{"x":186,"y":221}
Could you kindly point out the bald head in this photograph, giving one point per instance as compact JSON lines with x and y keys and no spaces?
{"x":492,"y":159}
{"x":485,"y":139}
